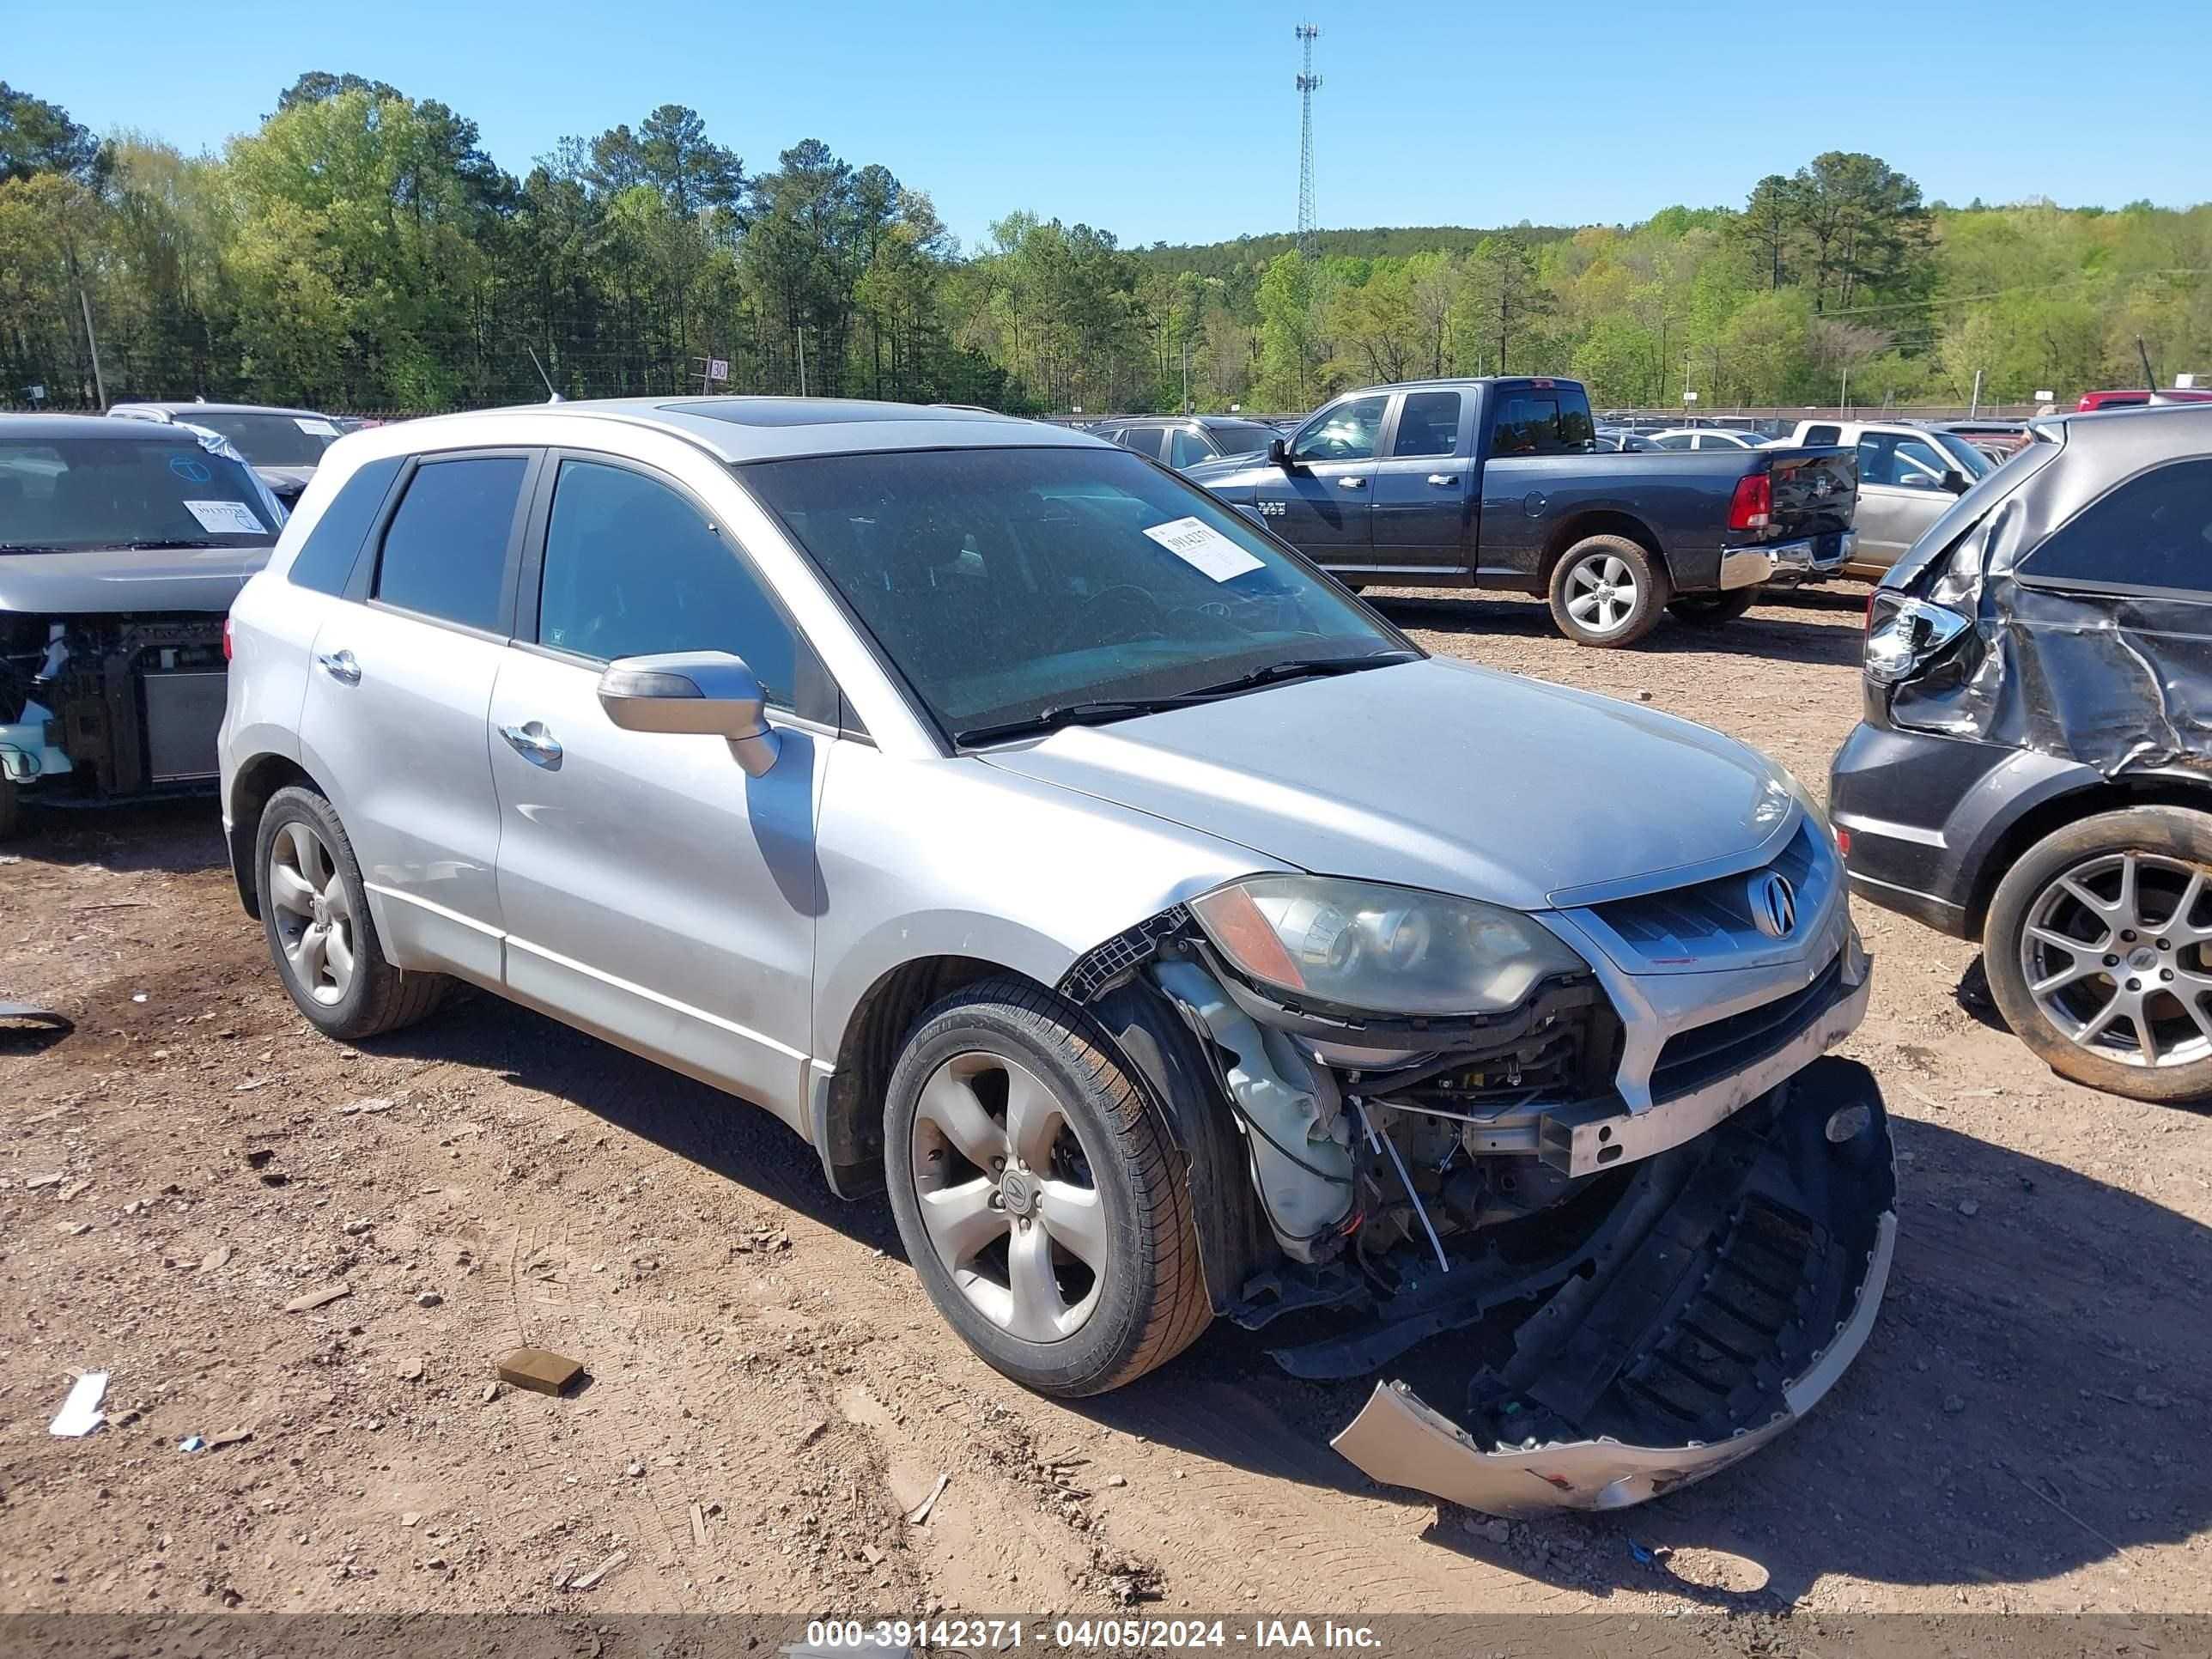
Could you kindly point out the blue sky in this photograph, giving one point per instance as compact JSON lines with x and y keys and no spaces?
{"x":1180,"y":122}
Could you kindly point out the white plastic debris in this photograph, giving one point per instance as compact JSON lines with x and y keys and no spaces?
{"x":80,"y":1414}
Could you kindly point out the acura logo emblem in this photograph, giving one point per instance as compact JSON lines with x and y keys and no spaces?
{"x":1773,"y":905}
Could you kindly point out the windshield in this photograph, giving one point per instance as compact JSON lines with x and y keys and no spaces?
{"x":1970,"y":460}
{"x":1242,"y":437}
{"x":1007,"y":584}
{"x":271,"y":439}
{"x":74,"y":493}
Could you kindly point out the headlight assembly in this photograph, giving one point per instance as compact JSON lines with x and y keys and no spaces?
{"x":1384,"y":950}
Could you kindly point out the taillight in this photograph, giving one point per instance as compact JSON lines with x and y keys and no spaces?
{"x":226,"y":639}
{"x":1752,"y":507}
{"x":1905,"y":635}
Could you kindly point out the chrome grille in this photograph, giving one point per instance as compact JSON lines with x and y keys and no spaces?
{"x":1709,"y":924}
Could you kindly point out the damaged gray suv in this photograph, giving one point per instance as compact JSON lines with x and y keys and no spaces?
{"x":1049,"y":846}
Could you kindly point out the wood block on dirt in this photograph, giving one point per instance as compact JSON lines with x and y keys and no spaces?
{"x":538,"y":1371}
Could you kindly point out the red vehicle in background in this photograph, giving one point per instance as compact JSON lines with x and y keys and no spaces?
{"x":2091,"y":400}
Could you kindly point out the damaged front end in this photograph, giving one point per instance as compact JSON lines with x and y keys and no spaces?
{"x":1622,"y":1227}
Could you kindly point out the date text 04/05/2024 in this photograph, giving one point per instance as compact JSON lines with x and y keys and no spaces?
{"x":1080,"y":1635}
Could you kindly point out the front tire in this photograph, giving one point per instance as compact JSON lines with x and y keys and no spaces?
{"x":1710,"y":610}
{"x":1038,"y":1195}
{"x":322,"y":939}
{"x":1607,"y":591}
{"x":2099,"y":951}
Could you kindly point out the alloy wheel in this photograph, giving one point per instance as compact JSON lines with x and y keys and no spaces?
{"x":1601,"y":592}
{"x":313,"y":914}
{"x":1007,"y":1197}
{"x":2114,"y":952}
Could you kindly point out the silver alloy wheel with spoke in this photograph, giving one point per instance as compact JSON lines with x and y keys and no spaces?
{"x":2115,"y":957}
{"x":313,"y":915}
{"x":1007,"y":1197}
{"x":1601,"y":592}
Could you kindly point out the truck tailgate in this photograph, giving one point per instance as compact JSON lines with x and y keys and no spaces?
{"x":1816,"y":491}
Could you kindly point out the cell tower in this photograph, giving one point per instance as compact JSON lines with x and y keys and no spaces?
{"x":1307,"y":33}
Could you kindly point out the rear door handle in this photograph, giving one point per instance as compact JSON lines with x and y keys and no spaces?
{"x":1351,"y":483}
{"x":341,"y":666}
{"x":534,"y":744}
{"x":1442,"y":479}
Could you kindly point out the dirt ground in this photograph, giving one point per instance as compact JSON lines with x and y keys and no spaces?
{"x":770,"y":1389}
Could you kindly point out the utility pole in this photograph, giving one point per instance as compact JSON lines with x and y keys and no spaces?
{"x":1974,"y":408}
{"x":91,"y":338}
{"x":1844,"y":397}
{"x":1186,"y":374}
{"x":802,"y":360}
{"x":1308,"y":83}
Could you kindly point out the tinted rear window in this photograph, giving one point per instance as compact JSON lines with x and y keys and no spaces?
{"x":326,"y":560}
{"x":446,"y":552}
{"x":2154,"y":530}
{"x":1542,"y":421}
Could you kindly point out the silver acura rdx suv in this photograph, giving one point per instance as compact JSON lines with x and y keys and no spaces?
{"x":1050,"y":846}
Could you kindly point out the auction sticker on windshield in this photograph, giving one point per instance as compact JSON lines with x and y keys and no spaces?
{"x":227,"y":518}
{"x":1203,"y":548}
{"x":314,"y":429}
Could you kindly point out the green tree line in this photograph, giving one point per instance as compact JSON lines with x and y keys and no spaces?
{"x":358,"y":250}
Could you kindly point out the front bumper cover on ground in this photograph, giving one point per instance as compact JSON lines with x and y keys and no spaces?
{"x":1744,"y":1281}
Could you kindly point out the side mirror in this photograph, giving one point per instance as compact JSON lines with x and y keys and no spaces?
{"x":698,"y":693}
{"x":1954,"y":481}
{"x":1279,"y":453}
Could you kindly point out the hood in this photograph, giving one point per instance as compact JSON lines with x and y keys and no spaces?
{"x":110,"y":582}
{"x":1234,"y":477}
{"x":1436,"y":774}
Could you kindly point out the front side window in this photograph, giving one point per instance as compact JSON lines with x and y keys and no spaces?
{"x":1007,"y":583}
{"x":67,"y":494}
{"x":1343,"y":432}
{"x":1428,"y":424}
{"x":633,"y":568}
{"x":1885,"y":457}
{"x":444,"y":551}
{"x":2154,"y":530}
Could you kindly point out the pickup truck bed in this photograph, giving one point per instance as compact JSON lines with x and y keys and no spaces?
{"x":1492,"y":483}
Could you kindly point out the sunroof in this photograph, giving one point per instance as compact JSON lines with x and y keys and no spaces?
{"x":803,"y":411}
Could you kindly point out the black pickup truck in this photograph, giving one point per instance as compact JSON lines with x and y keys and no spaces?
{"x":1497,"y":482}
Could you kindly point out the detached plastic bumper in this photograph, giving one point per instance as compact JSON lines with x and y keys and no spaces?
{"x":1700,"y":1335}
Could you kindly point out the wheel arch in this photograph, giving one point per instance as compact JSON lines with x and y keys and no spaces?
{"x":2052,"y":813}
{"x":1581,"y":525}
{"x":257,"y":780}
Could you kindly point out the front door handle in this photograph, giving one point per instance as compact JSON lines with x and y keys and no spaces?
{"x":1351,"y":483}
{"x":1443,"y":479}
{"x":534,"y":744}
{"x":341,"y":666}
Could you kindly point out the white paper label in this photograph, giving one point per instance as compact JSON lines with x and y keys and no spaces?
{"x":227,"y":518}
{"x":314,"y":429}
{"x":1204,"y":549}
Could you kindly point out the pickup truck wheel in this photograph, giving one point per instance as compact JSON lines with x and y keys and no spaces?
{"x":1607,"y":591}
{"x":1037,"y":1194}
{"x":1710,"y":610}
{"x":2099,"y":950}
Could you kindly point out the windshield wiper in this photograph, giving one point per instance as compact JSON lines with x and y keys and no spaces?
{"x":1067,"y":713}
{"x":1116,"y":708}
{"x":164,"y":542}
{"x":26,"y":547}
{"x":1295,"y":669}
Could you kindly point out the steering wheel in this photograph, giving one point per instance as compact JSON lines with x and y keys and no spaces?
{"x":1131,"y":599}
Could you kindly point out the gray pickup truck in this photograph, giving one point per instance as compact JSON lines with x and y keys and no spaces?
{"x":1498,"y":483}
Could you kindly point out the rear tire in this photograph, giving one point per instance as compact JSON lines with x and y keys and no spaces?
{"x":1038,"y":1195}
{"x":1710,"y":610}
{"x":322,"y":939}
{"x":2080,"y":981}
{"x":1605,"y":591}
